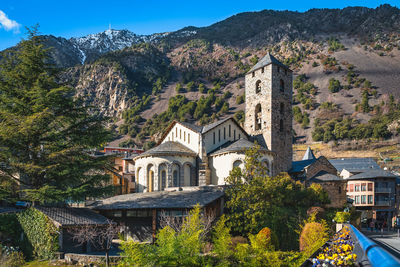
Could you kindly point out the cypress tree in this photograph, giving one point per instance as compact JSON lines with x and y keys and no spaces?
{"x":45,"y":132}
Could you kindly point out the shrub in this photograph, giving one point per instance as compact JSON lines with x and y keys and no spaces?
{"x":342,"y":217}
{"x":179,"y":88}
{"x":264,"y":240}
{"x":240,"y":99}
{"x":236,"y":240}
{"x":222,"y":242}
{"x":202,"y":89}
{"x":313,"y":236}
{"x":315,"y":64}
{"x":334,"y":85}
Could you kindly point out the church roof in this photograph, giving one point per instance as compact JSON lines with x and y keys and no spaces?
{"x":170,"y":148}
{"x":309,"y":154}
{"x":240,"y":145}
{"x":266,"y":60}
{"x":298,"y":166}
{"x":354,"y":164}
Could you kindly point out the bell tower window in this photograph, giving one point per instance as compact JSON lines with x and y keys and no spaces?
{"x":282,"y":85}
{"x":282,"y":108}
{"x":258,"y":117}
{"x":258,"y":86}
{"x":281,"y":125}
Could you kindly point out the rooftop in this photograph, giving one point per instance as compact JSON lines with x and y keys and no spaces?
{"x":374,"y":173}
{"x":324,"y":176}
{"x":169,"y":147}
{"x":309,"y":154}
{"x":354,"y":164}
{"x":240,"y":145}
{"x":163,"y":199}
{"x":266,"y":60}
{"x":298,"y":166}
{"x":66,"y":216}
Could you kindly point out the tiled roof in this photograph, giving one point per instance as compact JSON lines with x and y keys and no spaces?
{"x":309,"y":154}
{"x":266,"y":60}
{"x":324,"y":176}
{"x":240,"y":145}
{"x":163,"y":199}
{"x":66,"y":216}
{"x":374,"y":173}
{"x":354,"y":164}
{"x":298,"y":166}
{"x":169,"y":147}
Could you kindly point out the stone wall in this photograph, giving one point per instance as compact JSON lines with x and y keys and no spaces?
{"x":321,"y":164}
{"x":88,"y":260}
{"x":274,"y":102}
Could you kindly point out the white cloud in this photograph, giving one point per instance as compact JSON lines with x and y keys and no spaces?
{"x":8,"y":24}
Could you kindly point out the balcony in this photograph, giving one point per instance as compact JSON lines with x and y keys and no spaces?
{"x":382,"y":203}
{"x":383,"y":190}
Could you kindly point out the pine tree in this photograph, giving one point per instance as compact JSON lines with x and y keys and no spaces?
{"x":46,"y":133}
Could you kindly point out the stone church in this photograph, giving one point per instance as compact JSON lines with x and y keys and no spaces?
{"x":191,"y":155}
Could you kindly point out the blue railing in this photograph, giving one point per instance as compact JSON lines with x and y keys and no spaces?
{"x":377,"y":256}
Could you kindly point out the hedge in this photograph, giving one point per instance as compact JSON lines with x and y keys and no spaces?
{"x":40,"y":232}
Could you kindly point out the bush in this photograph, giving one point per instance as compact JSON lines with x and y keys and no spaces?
{"x":11,"y":258}
{"x":313,"y":236}
{"x":342,"y":217}
{"x":334,"y":85}
{"x":240,"y":99}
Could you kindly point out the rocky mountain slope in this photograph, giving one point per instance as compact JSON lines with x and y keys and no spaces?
{"x":133,"y":77}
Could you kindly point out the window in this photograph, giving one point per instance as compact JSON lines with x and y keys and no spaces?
{"x":258,"y":86}
{"x":184,"y":136}
{"x":285,"y":71}
{"x":253,"y":74}
{"x":143,"y":213}
{"x":131,"y":213}
{"x":369,"y":186}
{"x":258,"y":117}
{"x":234,"y":134}
{"x":262,"y":70}
{"x":214,"y":138}
{"x":282,"y":85}
{"x":351,"y":188}
{"x":282,"y":108}
{"x":357,"y":188}
{"x":281,"y":125}
{"x":176,"y":132}
{"x":363,"y":199}
{"x":188,"y":138}
{"x":219,"y":135}
{"x":229,"y":131}
{"x":117,"y":214}
{"x":363,"y":187}
{"x":357,"y":199}
{"x":339,"y":189}
{"x":239,"y":136}
{"x":279,"y":69}
{"x":224,"y":134}
{"x":180,"y":134}
{"x":370,"y":199}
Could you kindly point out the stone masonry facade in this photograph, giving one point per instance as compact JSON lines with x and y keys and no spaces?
{"x":269,"y":112}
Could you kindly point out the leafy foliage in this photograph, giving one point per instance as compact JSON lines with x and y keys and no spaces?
{"x":45,"y":133}
{"x":40,"y":232}
{"x":313,"y":235}
{"x":256,"y":200}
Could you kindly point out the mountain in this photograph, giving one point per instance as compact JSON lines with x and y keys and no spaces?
{"x":337,"y":55}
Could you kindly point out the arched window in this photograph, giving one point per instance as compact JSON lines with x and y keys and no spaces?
{"x":258,"y":117}
{"x":237,"y":163}
{"x":282,"y":85}
{"x":175,"y":178}
{"x":282,"y":108}
{"x":281,"y":125}
{"x":258,"y":86}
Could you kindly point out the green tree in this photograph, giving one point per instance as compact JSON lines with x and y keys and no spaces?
{"x":364,"y":102}
{"x":222,"y":242}
{"x":334,"y":85}
{"x":256,"y":200}
{"x":46,"y":133}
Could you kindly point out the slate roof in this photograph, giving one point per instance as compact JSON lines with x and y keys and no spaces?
{"x":66,"y":216}
{"x":210,"y":126}
{"x":193,"y":127}
{"x":298,"y":166}
{"x":309,"y":154}
{"x":324,"y":176}
{"x":169,"y":147}
{"x":374,"y":173}
{"x":266,"y":60}
{"x":162,"y":199}
{"x":354,"y":164}
{"x":240,"y":145}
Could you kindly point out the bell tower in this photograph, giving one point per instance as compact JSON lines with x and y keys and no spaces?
{"x":268,"y":112}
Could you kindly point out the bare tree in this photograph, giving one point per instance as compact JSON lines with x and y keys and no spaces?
{"x":98,"y":236}
{"x":175,"y":222}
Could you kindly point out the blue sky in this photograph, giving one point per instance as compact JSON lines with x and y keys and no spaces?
{"x":78,"y":18}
